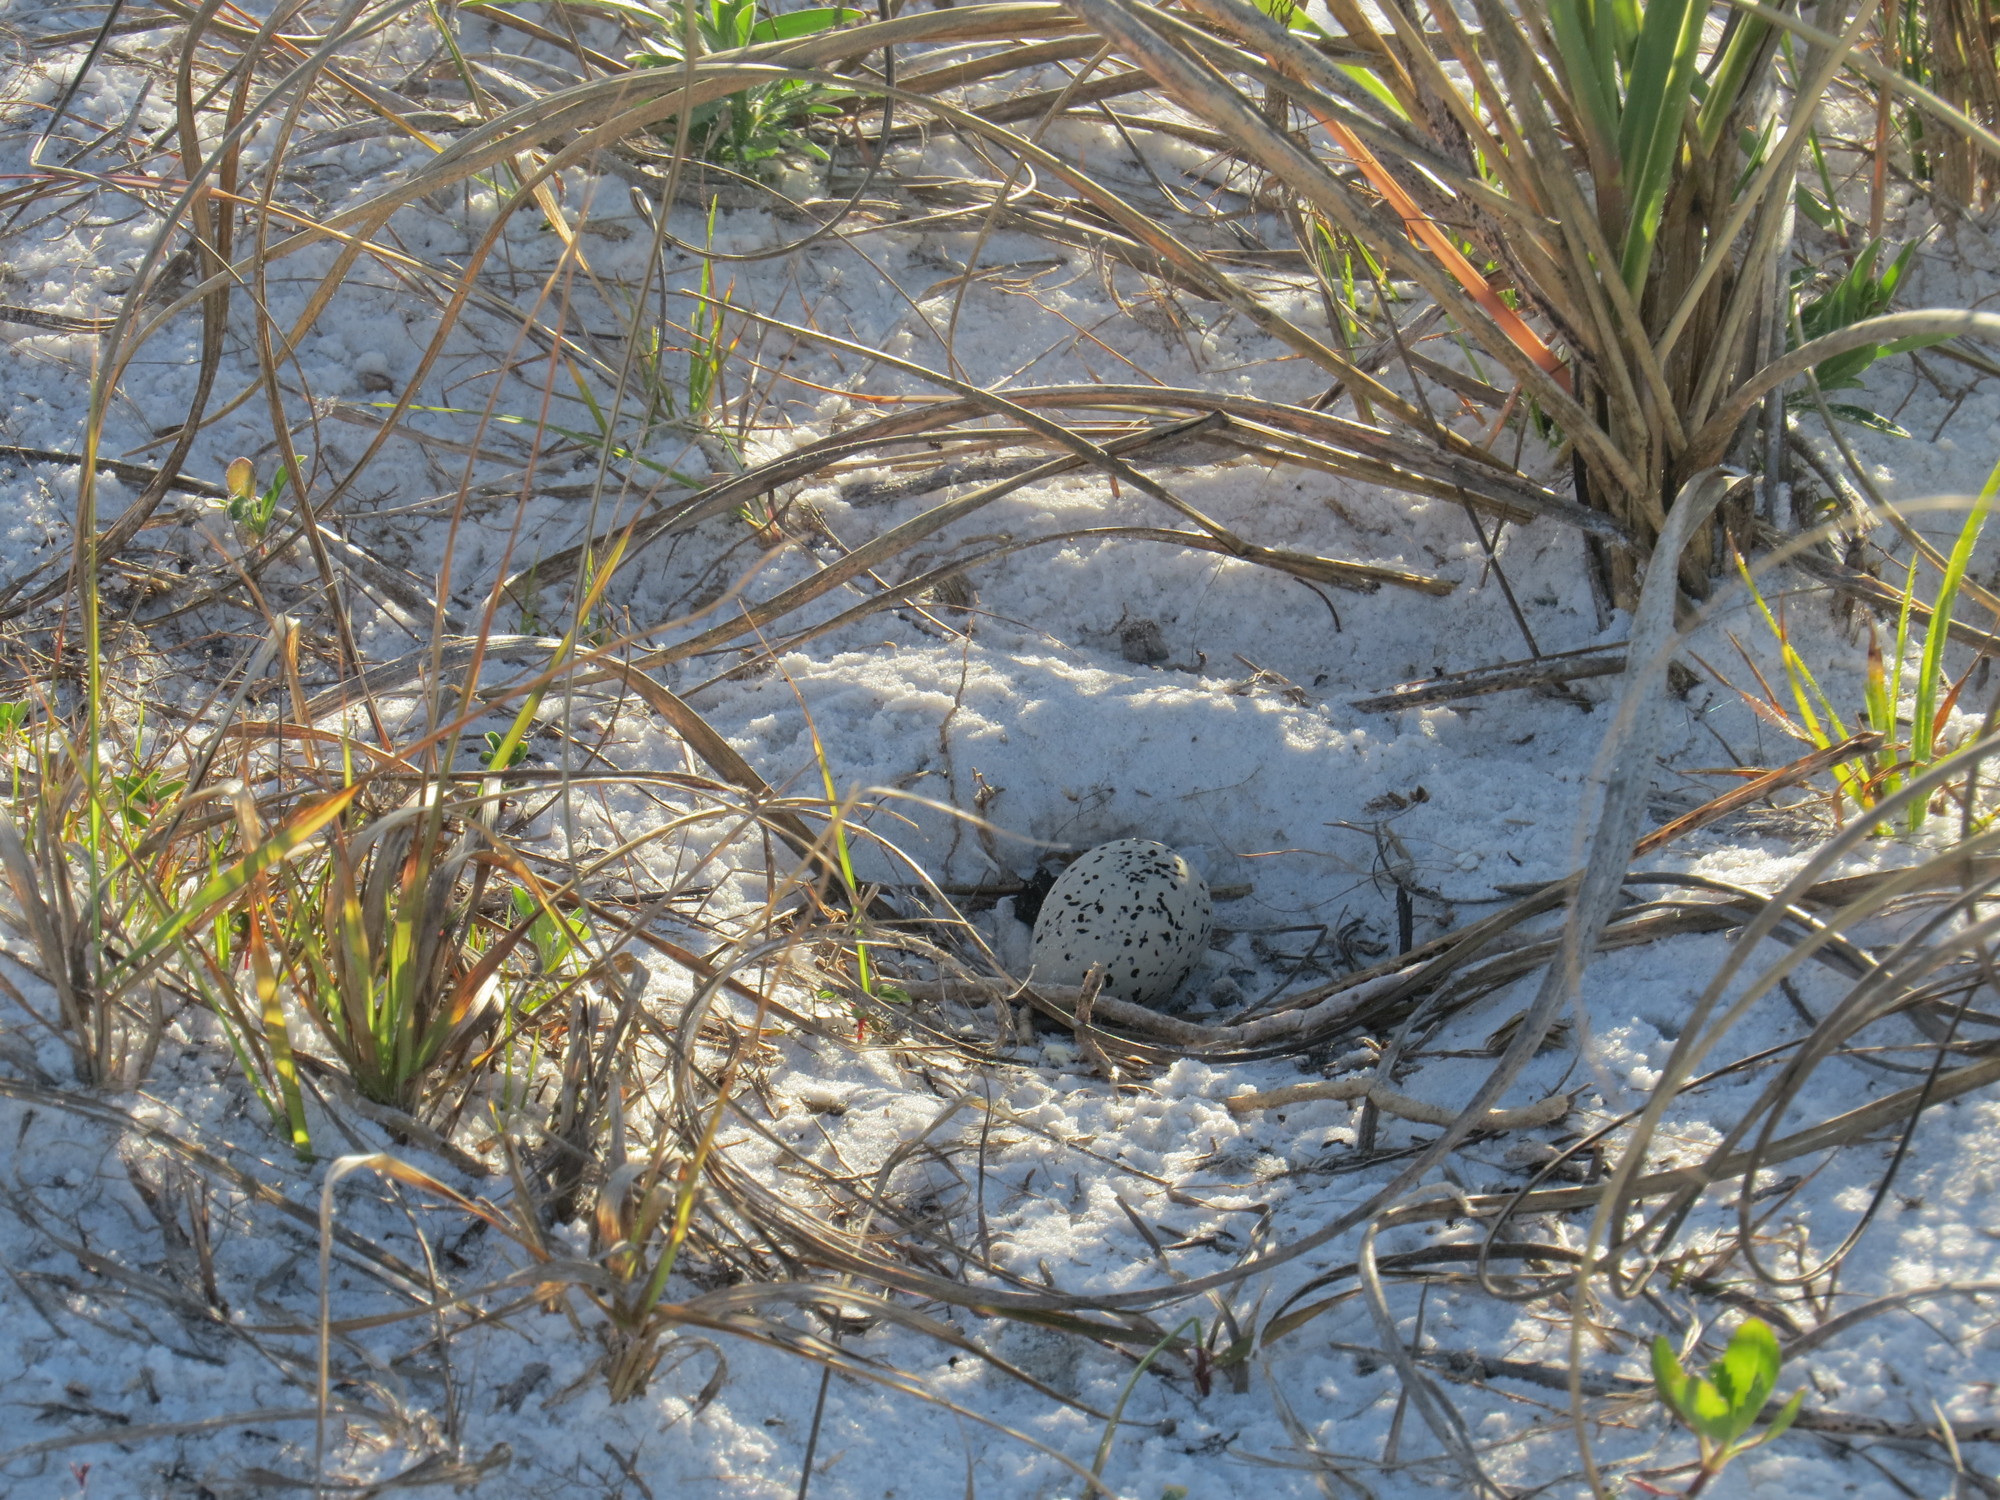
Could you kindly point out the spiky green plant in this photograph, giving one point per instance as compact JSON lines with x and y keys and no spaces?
{"x":752,"y":130}
{"x":1585,"y":190}
{"x":1865,"y":289}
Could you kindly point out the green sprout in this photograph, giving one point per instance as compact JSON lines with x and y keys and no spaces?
{"x":249,"y":507}
{"x":14,"y":733}
{"x":140,"y":794}
{"x":557,"y":937}
{"x":1933,"y":694}
{"x":498,"y":755}
{"x":1721,"y":1407}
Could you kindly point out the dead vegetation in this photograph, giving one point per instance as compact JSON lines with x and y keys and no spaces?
{"x":523,"y":999}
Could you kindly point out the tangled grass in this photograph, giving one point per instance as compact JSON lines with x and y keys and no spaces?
{"x":319,"y":875}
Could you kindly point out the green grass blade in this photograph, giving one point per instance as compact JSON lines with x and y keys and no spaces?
{"x":1732,"y":75}
{"x":1649,"y":133}
{"x":1930,"y":673}
{"x":1880,"y":705}
{"x":219,"y":889}
{"x":1118,"y":1412}
{"x":1805,"y":687}
{"x":278,"y":1040}
{"x":1902,"y":655}
{"x":1590,"y":68}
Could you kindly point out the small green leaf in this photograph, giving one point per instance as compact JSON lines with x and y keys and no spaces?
{"x":496,"y":756}
{"x":1915,"y":341}
{"x":797,"y":23}
{"x":1668,"y":1377}
{"x":1711,"y":1414}
{"x":1861,"y":416}
{"x":1784,"y":1418}
{"x":1847,"y":411}
{"x":1894,"y":274}
{"x":1747,"y":1373}
{"x":1815,"y":210}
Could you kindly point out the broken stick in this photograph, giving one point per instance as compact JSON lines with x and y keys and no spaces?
{"x":1402,"y":1106}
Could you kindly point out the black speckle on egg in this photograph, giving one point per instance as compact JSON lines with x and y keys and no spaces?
{"x":1155,"y":927}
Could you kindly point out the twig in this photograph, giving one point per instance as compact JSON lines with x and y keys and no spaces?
{"x":1287,"y":1029}
{"x":1402,"y":1106}
{"x":1880,"y":597}
{"x":1086,"y":1001}
{"x":1540,"y":671}
{"x":1803,"y":769}
{"x":34,"y":317}
{"x":130,"y":473}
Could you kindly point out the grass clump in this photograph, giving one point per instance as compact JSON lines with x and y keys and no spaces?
{"x":755,"y":129}
{"x":108,"y":864}
{"x":386,"y":944}
{"x":1906,"y":705}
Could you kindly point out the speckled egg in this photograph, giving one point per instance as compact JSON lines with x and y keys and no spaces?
{"x":1135,"y":907}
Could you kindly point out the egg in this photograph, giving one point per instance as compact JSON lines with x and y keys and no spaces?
{"x":1134,"y":906}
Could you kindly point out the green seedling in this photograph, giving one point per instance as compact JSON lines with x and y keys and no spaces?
{"x":140,"y":794}
{"x":1817,"y":722}
{"x":250,"y":507}
{"x":498,"y":756}
{"x":863,"y":969}
{"x":1721,"y":1408}
{"x":14,"y":739}
{"x":698,"y":403}
{"x":749,"y":131}
{"x":1935,"y":699}
{"x":557,"y":938}
{"x":709,"y":345}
